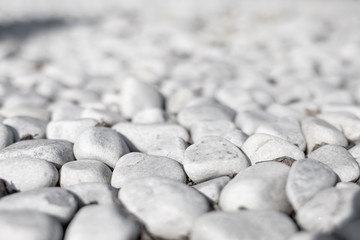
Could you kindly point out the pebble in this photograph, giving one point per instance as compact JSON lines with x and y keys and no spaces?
{"x":329,"y":210}
{"x":213,"y":157}
{"x":179,"y":100}
{"x":303,"y":235}
{"x":6,"y":136}
{"x":102,"y":116}
{"x":139,"y":165}
{"x":270,"y":225}
{"x":30,"y":225}
{"x":152,"y":200}
{"x":57,"y":152}
{"x":339,"y":160}
{"x":54,"y":201}
{"x":69,"y":129}
{"x":236,"y":137}
{"x":25,"y":126}
{"x":23,"y":173}
{"x":171,"y":147}
{"x":34,"y":112}
{"x":265,"y":147}
{"x":318,"y":131}
{"x":306,"y":178}
{"x":66,"y":112}
{"x":137,"y":95}
{"x":140,"y":136}
{"x":100,"y":143}
{"x":150,"y":116}
{"x":212,"y":188}
{"x":211,"y":128}
{"x":84,"y":171}
{"x":249,"y":189}
{"x":95,"y":222}
{"x":248,"y":121}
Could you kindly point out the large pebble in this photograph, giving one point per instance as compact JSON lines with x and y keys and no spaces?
{"x":141,"y":136}
{"x":250,"y":189}
{"x":26,"y":126}
{"x":6,"y":136}
{"x":213,"y":187}
{"x":306,"y":178}
{"x":264,"y":147}
{"x":100,"y":143}
{"x":171,"y":147}
{"x":339,"y":160}
{"x":54,"y":201}
{"x":101,"y":222}
{"x":29,"y":225}
{"x":57,"y":152}
{"x":329,"y":210}
{"x":23,"y":174}
{"x":213,"y":157}
{"x":138,"y":165}
{"x":211,"y":128}
{"x":153,"y":199}
{"x":68,"y":129}
{"x":318,"y":131}
{"x":84,"y":171}
{"x":269,"y":225}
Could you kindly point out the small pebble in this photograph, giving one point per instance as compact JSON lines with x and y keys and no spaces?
{"x":236,"y":137}
{"x":26,"y":126}
{"x":213,"y":187}
{"x":102,"y":116}
{"x":211,"y":128}
{"x":150,"y":116}
{"x":248,"y":121}
{"x":171,"y":147}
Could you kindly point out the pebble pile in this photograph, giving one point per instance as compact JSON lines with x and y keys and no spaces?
{"x":184,"y":120}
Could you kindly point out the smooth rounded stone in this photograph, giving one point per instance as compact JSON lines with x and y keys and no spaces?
{"x":34,"y":112}
{"x":171,"y":147}
{"x":288,"y":129}
{"x":139,"y":165}
{"x":306,"y":178}
{"x":265,"y":147}
{"x":77,"y":95}
{"x":233,"y":95}
{"x":345,"y":122}
{"x":243,"y":225}
{"x":178,"y":100}
{"x":303,"y":235}
{"x":248,"y":121}
{"x":213,"y":157}
{"x":6,"y":136}
{"x":54,"y":201}
{"x":205,"y":111}
{"x":137,"y":95}
{"x":213,"y":187}
{"x":25,"y":126}
{"x":329,"y":210}
{"x":90,"y":193}
{"x":318,"y":131}
{"x":140,"y":137}
{"x":347,"y":185}
{"x":69,"y":129}
{"x":57,"y":152}
{"x":350,"y":231}
{"x":100,"y":143}
{"x":95,"y":222}
{"x":211,"y":128}
{"x":339,"y":160}
{"x":23,"y":173}
{"x":30,"y":225}
{"x":104,"y":116}
{"x":84,"y":171}
{"x":250,"y":189}
{"x":152,"y":199}
{"x":66,"y":112}
{"x":281,"y":111}
{"x":236,"y":137}
{"x":150,"y":116}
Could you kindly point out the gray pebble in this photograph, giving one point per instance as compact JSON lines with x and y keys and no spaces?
{"x":34,"y":112}
{"x":213,"y":187}
{"x":25,"y":126}
{"x":250,"y":189}
{"x":150,"y":116}
{"x":171,"y":147}
{"x":100,"y":143}
{"x":66,"y":112}
{"x":102,"y":116}
{"x":152,"y":199}
{"x":236,"y":137}
{"x":211,"y":128}
{"x":213,"y":157}
{"x":178,"y":100}
{"x":6,"y":136}
{"x":138,"y":165}
{"x":248,"y":121}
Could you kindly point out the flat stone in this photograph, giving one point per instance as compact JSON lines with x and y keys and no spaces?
{"x":318,"y":131}
{"x":303,"y":235}
{"x":23,"y":173}
{"x":306,"y":178}
{"x":152,"y":199}
{"x":100,"y":143}
{"x":102,"y":222}
{"x":248,"y":121}
{"x":84,"y":171}
{"x":249,"y":189}
{"x":68,"y":129}
{"x":138,"y":165}
{"x":57,"y":152}
{"x":270,"y":225}
{"x":171,"y":147}
{"x":150,"y":116}
{"x":211,"y":128}
{"x":264,"y":147}
{"x":24,"y":126}
{"x":6,"y":136}
{"x":140,"y":136}
{"x":236,"y":137}
{"x":329,"y":210}
{"x":339,"y":160}
{"x":54,"y":201}
{"x":17,"y":225}
{"x":100,"y":115}
{"x":213,"y":157}
{"x":213,"y":187}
